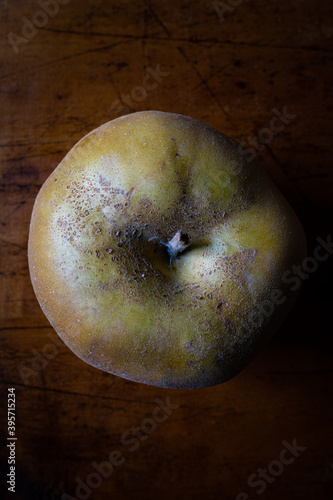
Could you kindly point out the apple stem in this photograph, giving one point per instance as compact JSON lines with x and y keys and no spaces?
{"x":177,"y":244}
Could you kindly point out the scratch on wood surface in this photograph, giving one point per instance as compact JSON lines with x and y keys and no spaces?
{"x":165,"y":29}
{"x":206,"y":80}
{"x":192,"y":40}
{"x":71,"y":393}
{"x":61,"y":59}
{"x":203,"y":82}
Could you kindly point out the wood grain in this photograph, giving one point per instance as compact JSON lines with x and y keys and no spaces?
{"x":86,"y":66}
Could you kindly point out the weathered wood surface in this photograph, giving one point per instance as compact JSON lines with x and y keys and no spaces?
{"x":70,"y":77}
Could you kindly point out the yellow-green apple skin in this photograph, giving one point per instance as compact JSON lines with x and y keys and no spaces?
{"x":107,"y":269}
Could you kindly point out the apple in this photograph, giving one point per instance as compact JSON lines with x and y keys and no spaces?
{"x":157,"y":251}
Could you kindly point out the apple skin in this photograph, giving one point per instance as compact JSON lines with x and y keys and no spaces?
{"x":100,"y":265}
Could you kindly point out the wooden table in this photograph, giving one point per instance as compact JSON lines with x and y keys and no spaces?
{"x":82,"y":64}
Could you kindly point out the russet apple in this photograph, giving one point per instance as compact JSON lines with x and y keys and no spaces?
{"x":156,"y":251}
